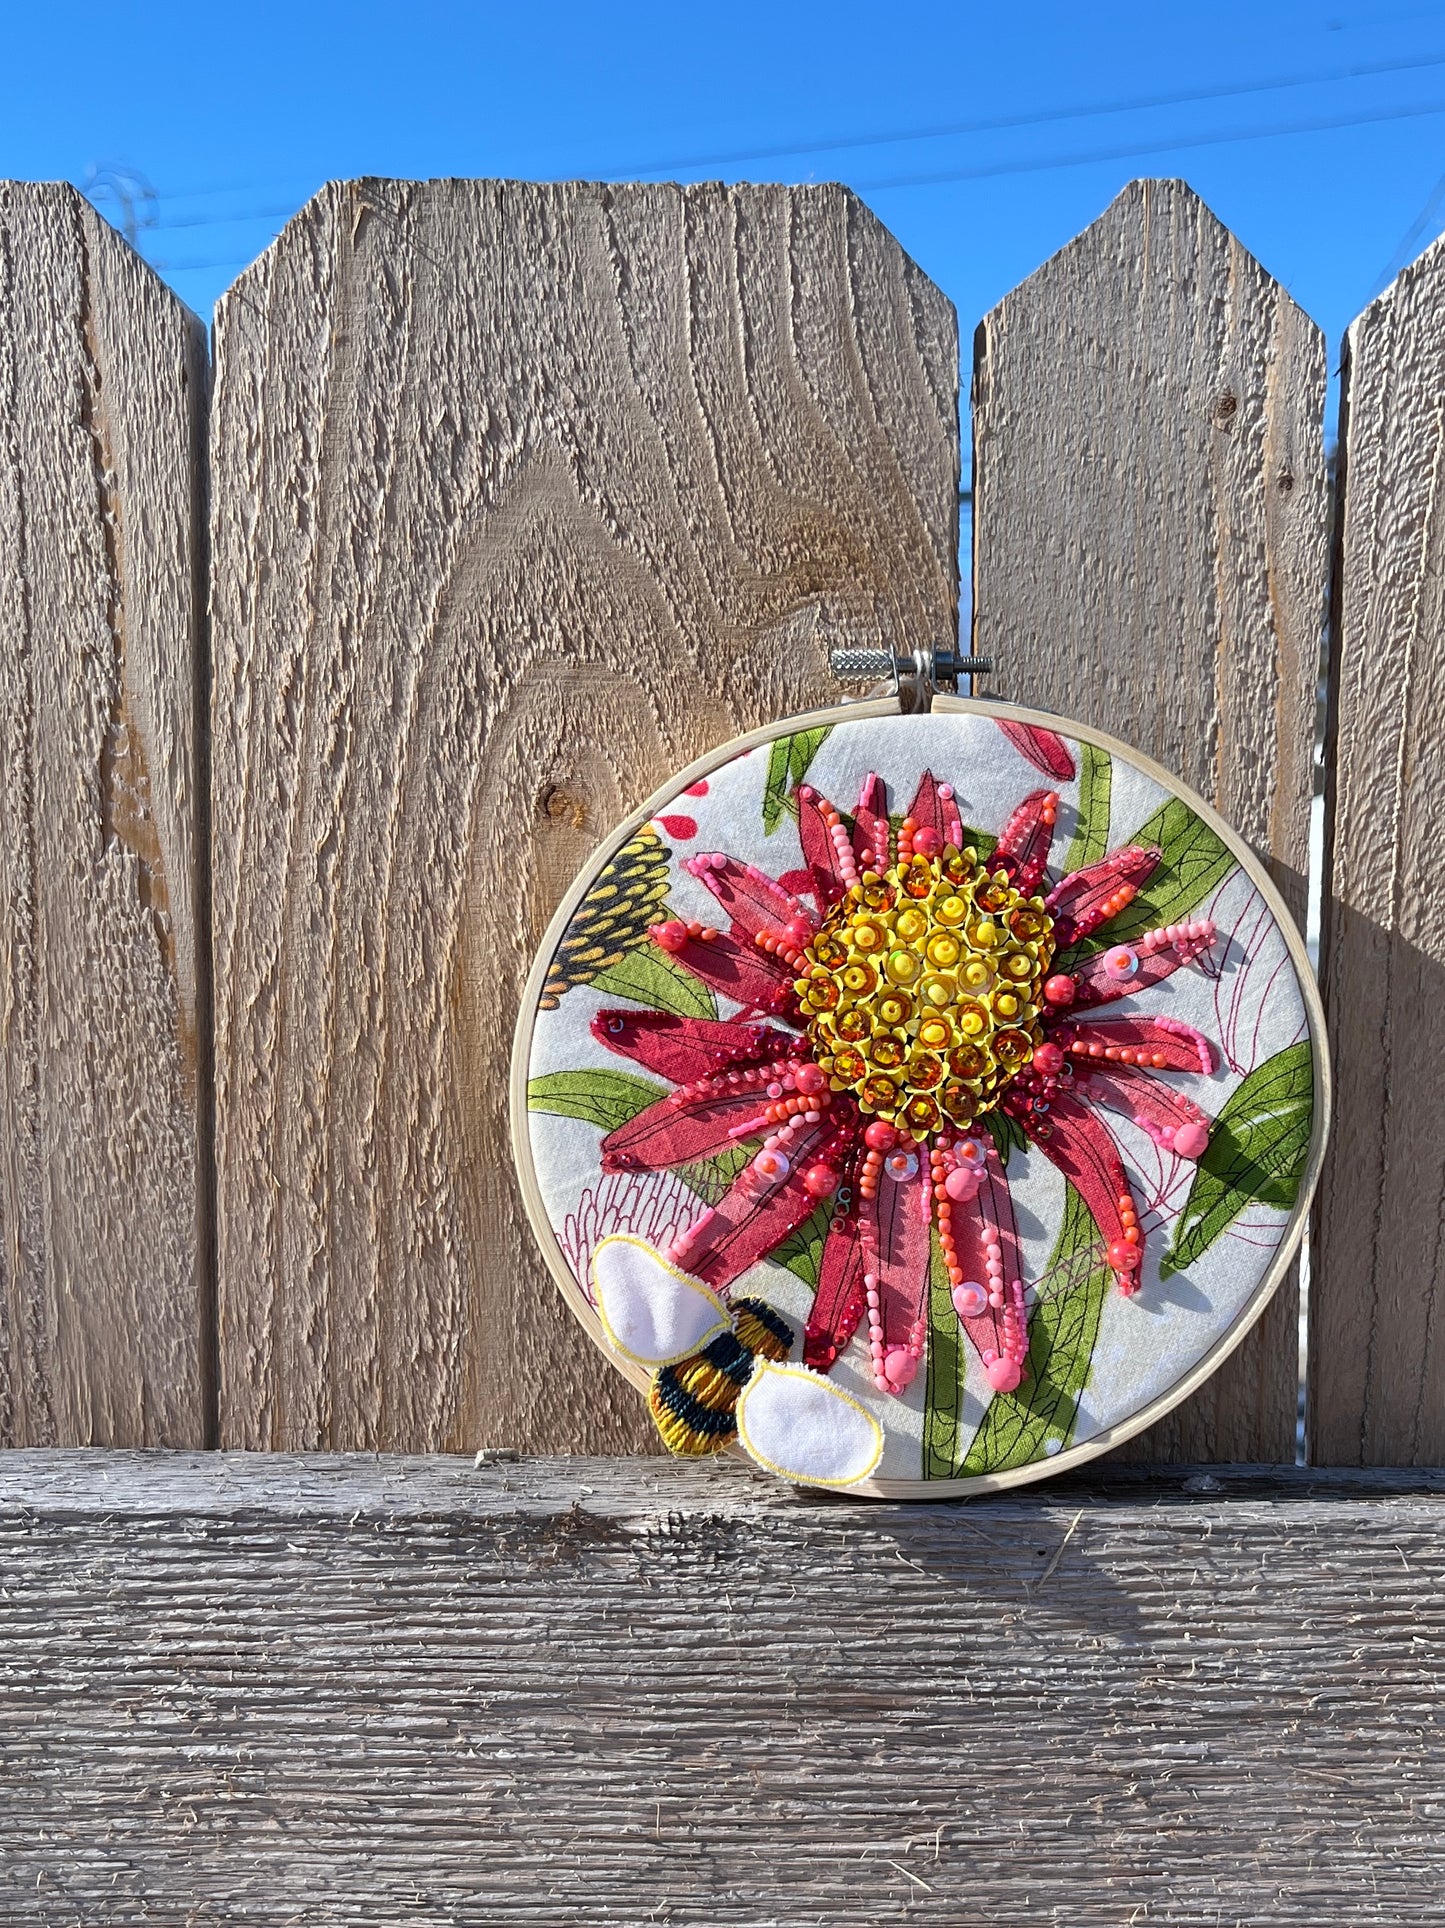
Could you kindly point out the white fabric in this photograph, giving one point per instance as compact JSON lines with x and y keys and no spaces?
{"x":800,"y":1425}
{"x":649,"y":1310}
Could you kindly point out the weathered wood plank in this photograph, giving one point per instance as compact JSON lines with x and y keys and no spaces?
{"x":523,"y":497}
{"x":1377,"y":1351}
{"x":355,"y":1693}
{"x":1150,"y":556}
{"x":103,"y":1019}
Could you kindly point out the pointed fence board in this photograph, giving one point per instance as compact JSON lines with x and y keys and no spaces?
{"x":523,"y":497}
{"x":1150,"y":529}
{"x":1377,"y":1341}
{"x":103,"y":1020}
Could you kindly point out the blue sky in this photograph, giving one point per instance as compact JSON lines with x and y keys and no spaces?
{"x":236,"y":115}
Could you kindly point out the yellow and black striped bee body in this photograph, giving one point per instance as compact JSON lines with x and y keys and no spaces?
{"x":694,"y":1403}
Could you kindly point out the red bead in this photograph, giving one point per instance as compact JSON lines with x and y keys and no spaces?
{"x":810,"y":1078}
{"x":880,"y":1137}
{"x":671,"y":935}
{"x":820,"y":1181}
{"x":1060,"y":989}
{"x":1049,"y":1058}
{"x":1124,"y":1258}
{"x":927,"y":841}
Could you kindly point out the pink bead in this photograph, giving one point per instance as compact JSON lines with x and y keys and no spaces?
{"x":1121,"y":962}
{"x":927,"y":841}
{"x":945,"y":791}
{"x":993,"y":1251}
{"x":900,"y":1166}
{"x":880,"y":1137}
{"x":1123,"y":1256}
{"x":820,"y":1181}
{"x":1191,"y":1140}
{"x":969,"y":1299}
{"x":1049,"y":1058}
{"x":810,"y":1078}
{"x":1060,"y":989}
{"x":900,"y":1368}
{"x":772,"y":1165}
{"x":963,"y":1184}
{"x":671,"y":936}
{"x":1003,"y":1374}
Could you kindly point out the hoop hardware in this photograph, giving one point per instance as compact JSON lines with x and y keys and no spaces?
{"x":914,"y":677}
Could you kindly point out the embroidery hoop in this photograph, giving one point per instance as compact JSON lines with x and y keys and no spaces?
{"x":942,"y":704}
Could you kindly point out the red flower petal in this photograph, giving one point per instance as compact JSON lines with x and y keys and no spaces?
{"x":746,"y":1225}
{"x":684,"y":1049}
{"x":1023,"y":849}
{"x":753,"y":901}
{"x":838,"y":1302}
{"x":1045,"y":749}
{"x":673,"y":1133}
{"x":742,"y":972}
{"x":818,"y":851}
{"x":1159,"y":953}
{"x":1085,"y":899}
{"x":1079,"y":1144}
{"x":1180,"y":1046}
{"x":926,"y":809}
{"x":988,"y":1219}
{"x":870,"y":823}
{"x":679,"y":828}
{"x":905,"y":1239}
{"x":1153,"y":1105}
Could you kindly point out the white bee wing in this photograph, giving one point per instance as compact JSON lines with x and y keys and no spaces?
{"x":649,"y":1310}
{"x":801,"y":1426}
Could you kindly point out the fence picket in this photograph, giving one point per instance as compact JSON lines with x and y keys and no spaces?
{"x":1150,"y":556}
{"x":523,"y":496}
{"x":104,"y":1025}
{"x":1377,"y":1352}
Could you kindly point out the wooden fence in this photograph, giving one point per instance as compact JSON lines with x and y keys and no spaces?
{"x":322,"y":666}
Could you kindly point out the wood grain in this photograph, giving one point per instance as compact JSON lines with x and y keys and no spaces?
{"x":1377,"y":1351}
{"x":364,"y":1692}
{"x":103,"y":1020}
{"x":522,"y":498}
{"x":1150,"y":525}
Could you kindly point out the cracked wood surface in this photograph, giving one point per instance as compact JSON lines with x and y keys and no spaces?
{"x":1377,"y":1350}
{"x":1150,"y":531}
{"x":523,"y":497}
{"x":354,"y":1692}
{"x":103,"y":1025}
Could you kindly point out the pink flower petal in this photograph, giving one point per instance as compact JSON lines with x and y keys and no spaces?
{"x":673,"y":1133}
{"x":870,"y":824}
{"x":1074,"y":1139}
{"x":987,"y":1219}
{"x":1045,"y":749}
{"x":685,"y":1049}
{"x":905,"y":1249}
{"x":819,"y":853}
{"x":1023,"y":849}
{"x":1079,"y":904}
{"x":1153,"y":1105}
{"x":753,"y":901}
{"x":838,"y":1302}
{"x":1181,"y":1047}
{"x":742,"y":972}
{"x":1160,"y":953}
{"x":927,"y":808}
{"x":747,"y":1224}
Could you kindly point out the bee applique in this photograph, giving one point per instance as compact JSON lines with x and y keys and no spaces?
{"x":721,"y":1372}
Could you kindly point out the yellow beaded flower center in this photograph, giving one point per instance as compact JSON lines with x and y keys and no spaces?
{"x":921,"y":991}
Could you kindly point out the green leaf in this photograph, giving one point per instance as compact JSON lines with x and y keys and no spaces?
{"x":605,"y":1098}
{"x":649,"y":976}
{"x":1193,"y":864}
{"x":788,"y":763}
{"x":1259,"y":1146}
{"x":711,"y":1177}
{"x":947,"y":1371}
{"x":802,"y":1251}
{"x":1007,"y":1134}
{"x":983,"y":841}
{"x":1062,"y":1335}
{"x":1096,"y":787}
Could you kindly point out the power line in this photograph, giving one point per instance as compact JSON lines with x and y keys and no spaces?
{"x":1407,"y":246}
{"x":1149,"y":147}
{"x":1135,"y":104}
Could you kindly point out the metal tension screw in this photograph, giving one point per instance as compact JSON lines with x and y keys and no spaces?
{"x":926,"y":669}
